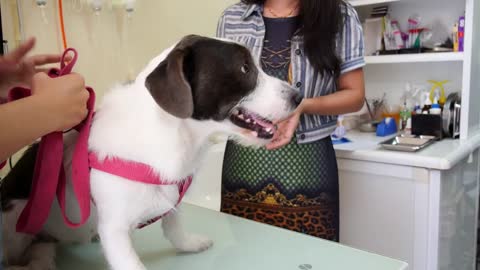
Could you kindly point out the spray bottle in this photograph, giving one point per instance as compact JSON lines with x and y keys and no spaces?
{"x":129,"y":7}
{"x":42,"y":4}
{"x":435,"y":109}
{"x":428,"y":104}
{"x":97,"y":6}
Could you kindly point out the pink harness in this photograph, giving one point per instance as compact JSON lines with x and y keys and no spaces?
{"x":49,"y":178}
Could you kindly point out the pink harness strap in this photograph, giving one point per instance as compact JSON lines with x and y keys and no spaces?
{"x":137,"y":172}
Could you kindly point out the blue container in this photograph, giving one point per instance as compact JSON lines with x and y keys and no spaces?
{"x":386,"y":127}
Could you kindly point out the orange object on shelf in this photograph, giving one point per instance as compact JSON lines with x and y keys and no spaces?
{"x":394,"y":115}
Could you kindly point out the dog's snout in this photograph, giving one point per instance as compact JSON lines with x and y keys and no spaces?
{"x":297,"y":98}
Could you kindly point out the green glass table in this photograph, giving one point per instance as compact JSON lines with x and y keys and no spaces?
{"x":239,"y":245}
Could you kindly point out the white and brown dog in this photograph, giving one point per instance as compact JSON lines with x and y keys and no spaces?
{"x":166,"y":118}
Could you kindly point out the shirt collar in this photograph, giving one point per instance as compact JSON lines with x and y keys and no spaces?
{"x":253,"y":8}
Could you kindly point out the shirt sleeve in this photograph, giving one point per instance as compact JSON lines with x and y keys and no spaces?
{"x":352,"y":44}
{"x":221,"y":27}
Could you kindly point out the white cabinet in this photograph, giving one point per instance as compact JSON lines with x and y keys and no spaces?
{"x":424,"y":217}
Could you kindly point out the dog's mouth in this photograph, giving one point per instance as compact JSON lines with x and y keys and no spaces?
{"x":260,"y":127}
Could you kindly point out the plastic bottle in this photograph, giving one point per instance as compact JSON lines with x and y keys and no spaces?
{"x":405,"y":114}
{"x":435,"y":109}
{"x":428,"y":104}
{"x":417,"y":109}
{"x":408,"y":128}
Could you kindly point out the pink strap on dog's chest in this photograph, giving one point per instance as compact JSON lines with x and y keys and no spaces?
{"x":137,"y":172}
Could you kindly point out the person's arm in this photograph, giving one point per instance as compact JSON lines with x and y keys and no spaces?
{"x":349,"y":98}
{"x":16,"y":69}
{"x":350,"y":93}
{"x":21,"y":123}
{"x":221,"y":27}
{"x":55,"y":105}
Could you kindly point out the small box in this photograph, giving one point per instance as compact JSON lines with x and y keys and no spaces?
{"x":427,"y":125}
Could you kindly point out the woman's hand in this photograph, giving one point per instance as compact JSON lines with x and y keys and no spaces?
{"x":56,"y":104}
{"x":17,"y":70}
{"x":64,"y":98}
{"x":285,"y":130}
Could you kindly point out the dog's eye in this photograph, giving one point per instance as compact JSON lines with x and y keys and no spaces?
{"x":245,"y":69}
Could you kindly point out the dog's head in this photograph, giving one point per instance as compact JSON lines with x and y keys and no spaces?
{"x":211,"y":79}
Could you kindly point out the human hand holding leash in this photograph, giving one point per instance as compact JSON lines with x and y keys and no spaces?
{"x":65,"y":99}
{"x":55,"y":105}
{"x":16,"y":69}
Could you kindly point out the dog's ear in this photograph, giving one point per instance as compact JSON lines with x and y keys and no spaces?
{"x":169,"y":86}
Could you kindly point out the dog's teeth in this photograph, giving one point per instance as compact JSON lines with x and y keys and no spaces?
{"x":268,"y":130}
{"x":248,"y":120}
{"x":240,"y":116}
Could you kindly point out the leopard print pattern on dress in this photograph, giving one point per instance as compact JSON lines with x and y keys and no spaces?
{"x":316,"y":216}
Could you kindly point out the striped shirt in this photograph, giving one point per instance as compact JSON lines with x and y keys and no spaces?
{"x":244,"y":23}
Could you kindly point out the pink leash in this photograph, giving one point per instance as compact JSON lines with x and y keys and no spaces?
{"x":49,"y":175}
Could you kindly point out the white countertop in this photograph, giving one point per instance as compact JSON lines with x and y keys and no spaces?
{"x":442,"y":155}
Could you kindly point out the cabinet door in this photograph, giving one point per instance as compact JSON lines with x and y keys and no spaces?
{"x":470,"y":121}
{"x":377,"y":208}
{"x":458,"y":215}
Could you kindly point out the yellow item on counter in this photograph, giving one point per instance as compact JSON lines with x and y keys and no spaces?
{"x":440,"y":85}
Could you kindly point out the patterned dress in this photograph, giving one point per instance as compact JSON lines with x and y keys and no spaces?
{"x":295,"y":187}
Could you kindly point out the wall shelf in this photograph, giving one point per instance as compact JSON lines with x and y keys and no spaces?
{"x":359,"y":3}
{"x":415,"y":58}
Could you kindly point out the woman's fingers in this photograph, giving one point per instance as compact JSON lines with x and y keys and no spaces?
{"x":279,"y":143}
{"x":44,"y":59}
{"x":20,"y":52}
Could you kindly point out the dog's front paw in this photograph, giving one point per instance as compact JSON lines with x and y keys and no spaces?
{"x":194,"y":243}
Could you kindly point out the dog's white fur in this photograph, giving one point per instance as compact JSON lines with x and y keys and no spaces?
{"x":130,"y":125}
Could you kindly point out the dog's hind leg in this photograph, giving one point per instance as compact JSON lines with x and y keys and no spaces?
{"x":118,"y":248}
{"x":181,"y":240}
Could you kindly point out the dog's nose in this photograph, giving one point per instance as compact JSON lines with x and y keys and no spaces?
{"x":297,"y":98}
